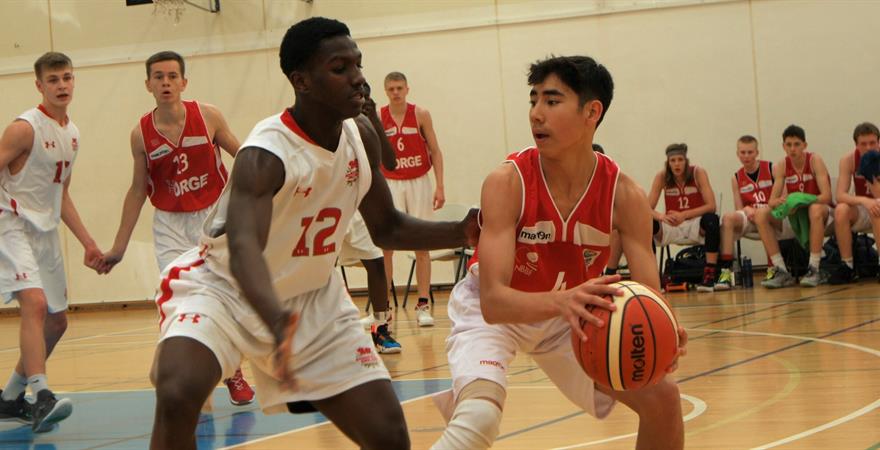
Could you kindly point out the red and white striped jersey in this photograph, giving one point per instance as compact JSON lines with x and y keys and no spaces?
{"x":35,"y":192}
{"x":861,"y":186}
{"x":755,"y":192}
{"x":803,"y":181}
{"x":683,"y":197}
{"x":409,"y":145}
{"x":187,"y":175}
{"x":310,"y":213}
{"x":553,"y":252}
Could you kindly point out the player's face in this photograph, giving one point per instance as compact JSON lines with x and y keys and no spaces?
{"x":678,"y":164}
{"x":166,"y":82}
{"x":396,"y":90}
{"x":747,"y":153}
{"x":866,"y":143}
{"x":794,"y":147}
{"x":556,"y":116}
{"x":333,"y":77}
{"x":56,"y":85}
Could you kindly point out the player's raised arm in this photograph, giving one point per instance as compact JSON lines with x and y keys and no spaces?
{"x":394,"y":230}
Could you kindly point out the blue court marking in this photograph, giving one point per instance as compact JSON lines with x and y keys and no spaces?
{"x":124,"y":420}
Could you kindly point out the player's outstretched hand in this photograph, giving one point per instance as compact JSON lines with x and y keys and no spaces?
{"x":110,"y":260}
{"x":572,"y":303}
{"x":284,"y":329}
{"x":93,"y":258}
{"x":682,"y":349}
{"x":472,"y":227}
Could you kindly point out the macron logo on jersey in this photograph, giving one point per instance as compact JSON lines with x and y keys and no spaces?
{"x":163,"y":150}
{"x":765,"y":183}
{"x":191,"y":141}
{"x":540,"y":233}
{"x":747,"y":188}
{"x":409,"y":130}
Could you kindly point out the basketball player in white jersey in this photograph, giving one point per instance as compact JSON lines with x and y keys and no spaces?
{"x":262,"y":285}
{"x":37,"y":152}
{"x":411,"y":132}
{"x":358,"y":246}
{"x":177,"y":164}
{"x":529,"y":292}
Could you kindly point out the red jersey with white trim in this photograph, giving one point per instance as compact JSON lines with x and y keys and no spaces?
{"x":410,"y":148}
{"x":553,"y":252}
{"x":310,"y":212}
{"x":801,"y":181}
{"x":861,"y":186}
{"x":187,"y":175}
{"x":35,"y":192}
{"x":684,"y":197}
{"x":755,"y":193}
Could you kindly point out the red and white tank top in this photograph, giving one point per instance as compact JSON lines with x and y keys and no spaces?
{"x":310,"y":213}
{"x":34,"y":193}
{"x":683,"y":197}
{"x":803,"y":181}
{"x":861,"y":186}
{"x":409,"y":145}
{"x":755,"y":192}
{"x":187,"y":175}
{"x":553,"y":252}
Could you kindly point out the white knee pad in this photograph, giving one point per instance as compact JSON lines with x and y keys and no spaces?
{"x":474,"y":426}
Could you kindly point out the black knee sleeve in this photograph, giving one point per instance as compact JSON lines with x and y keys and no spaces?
{"x":711,"y":227}
{"x":656,"y":226}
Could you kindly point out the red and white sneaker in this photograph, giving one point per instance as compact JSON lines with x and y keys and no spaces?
{"x":240,"y":392}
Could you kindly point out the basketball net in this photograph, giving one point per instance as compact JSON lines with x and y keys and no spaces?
{"x":171,"y":8}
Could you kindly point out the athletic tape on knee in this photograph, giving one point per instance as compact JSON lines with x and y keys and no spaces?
{"x":483,"y":389}
{"x":474,"y":426}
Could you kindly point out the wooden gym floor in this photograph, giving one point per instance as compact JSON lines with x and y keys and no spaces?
{"x":792,"y":368}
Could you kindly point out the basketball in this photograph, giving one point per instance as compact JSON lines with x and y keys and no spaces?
{"x":636,"y":345}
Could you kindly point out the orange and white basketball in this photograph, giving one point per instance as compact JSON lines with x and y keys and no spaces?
{"x":636,"y":345}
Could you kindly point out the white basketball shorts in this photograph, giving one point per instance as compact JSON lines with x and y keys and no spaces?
{"x":414,"y":197}
{"x":357,"y":244}
{"x":176,"y":232}
{"x":30,"y":258}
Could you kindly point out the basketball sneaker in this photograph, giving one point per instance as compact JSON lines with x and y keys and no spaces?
{"x":18,"y":409}
{"x":814,"y":277}
{"x":48,"y":410}
{"x":423,"y":314}
{"x":383,"y":340}
{"x":777,"y":278}
{"x":725,"y":280}
{"x":240,"y":392}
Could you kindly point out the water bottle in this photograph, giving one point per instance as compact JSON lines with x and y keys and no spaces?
{"x":748,"y":281}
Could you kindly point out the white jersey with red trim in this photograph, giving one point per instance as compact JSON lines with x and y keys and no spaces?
{"x":310,"y":213}
{"x":35,"y":192}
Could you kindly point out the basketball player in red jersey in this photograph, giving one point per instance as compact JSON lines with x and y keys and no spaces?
{"x":751,"y":186}
{"x":690,"y":209}
{"x":540,"y":257}
{"x":411,"y":132}
{"x":176,"y":152}
{"x":37,"y":153}
{"x":858,"y":212}
{"x":799,"y":171}
{"x":263,"y":284}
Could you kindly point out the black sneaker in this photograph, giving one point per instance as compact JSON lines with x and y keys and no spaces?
{"x":384,"y":342}
{"x":843,"y":275}
{"x":48,"y":411}
{"x":18,"y":409}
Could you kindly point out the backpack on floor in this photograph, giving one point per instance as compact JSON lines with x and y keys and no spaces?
{"x":796,"y":257}
{"x":687,"y":266}
{"x":864,"y":256}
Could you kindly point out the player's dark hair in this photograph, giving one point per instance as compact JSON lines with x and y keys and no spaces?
{"x":865,"y":128}
{"x":166,"y":55}
{"x":869,"y":166}
{"x":598,"y":148}
{"x":794,"y":131}
{"x":302,"y":40}
{"x":51,"y":61}
{"x":395,"y":76}
{"x":678,"y":148}
{"x":589,"y":79}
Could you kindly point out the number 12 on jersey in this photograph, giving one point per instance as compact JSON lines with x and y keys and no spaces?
{"x":328,"y":218}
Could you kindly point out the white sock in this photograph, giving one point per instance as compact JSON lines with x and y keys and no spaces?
{"x":382,"y":317}
{"x":814,"y":260}
{"x":38,"y":382}
{"x":778,"y":262}
{"x":848,"y":262}
{"x":14,"y":387}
